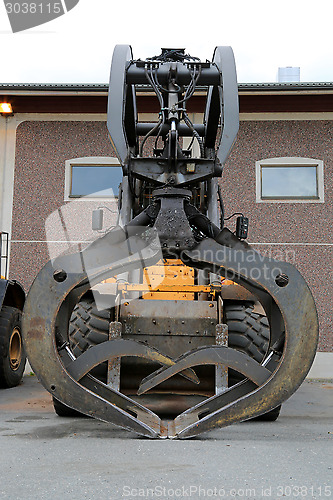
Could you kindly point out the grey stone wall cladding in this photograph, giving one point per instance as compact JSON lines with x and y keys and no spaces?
{"x":282,"y":230}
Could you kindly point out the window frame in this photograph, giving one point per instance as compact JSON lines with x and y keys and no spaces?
{"x":291,"y":161}
{"x":87,"y":161}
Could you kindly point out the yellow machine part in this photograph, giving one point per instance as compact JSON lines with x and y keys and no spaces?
{"x":171,"y":274}
{"x":169,"y":279}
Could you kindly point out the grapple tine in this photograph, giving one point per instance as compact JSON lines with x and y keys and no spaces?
{"x":118,"y":348}
{"x":214,"y":355}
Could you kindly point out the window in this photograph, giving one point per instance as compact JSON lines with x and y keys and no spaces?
{"x":92,"y":177}
{"x":290,"y":180}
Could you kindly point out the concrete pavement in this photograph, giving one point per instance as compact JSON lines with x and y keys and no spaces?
{"x":43,"y":456}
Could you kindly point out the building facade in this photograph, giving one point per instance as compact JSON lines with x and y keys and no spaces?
{"x":279,"y":174}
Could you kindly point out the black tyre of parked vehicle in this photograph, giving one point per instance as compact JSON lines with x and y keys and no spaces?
{"x":12,"y":355}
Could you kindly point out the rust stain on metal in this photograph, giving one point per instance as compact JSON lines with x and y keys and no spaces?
{"x":37,"y":328}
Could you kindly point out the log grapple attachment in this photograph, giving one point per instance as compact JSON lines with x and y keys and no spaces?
{"x":169,"y":324}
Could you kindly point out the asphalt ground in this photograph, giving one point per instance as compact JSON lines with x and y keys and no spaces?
{"x":43,"y":456}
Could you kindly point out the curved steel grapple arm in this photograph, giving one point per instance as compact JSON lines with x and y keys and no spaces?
{"x":299,"y":324}
{"x":51,"y":299}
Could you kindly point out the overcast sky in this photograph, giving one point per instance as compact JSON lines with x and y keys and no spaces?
{"x":77,"y":47}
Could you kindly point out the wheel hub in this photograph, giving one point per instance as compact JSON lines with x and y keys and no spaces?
{"x":15,"y":349}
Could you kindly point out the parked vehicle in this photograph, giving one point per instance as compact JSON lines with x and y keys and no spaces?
{"x":12,"y":298}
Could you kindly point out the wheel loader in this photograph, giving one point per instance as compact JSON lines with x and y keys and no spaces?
{"x":170,"y":324}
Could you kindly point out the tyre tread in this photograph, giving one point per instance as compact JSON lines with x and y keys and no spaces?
{"x":88,"y":326}
{"x":8,"y":377}
{"x":249,"y":332}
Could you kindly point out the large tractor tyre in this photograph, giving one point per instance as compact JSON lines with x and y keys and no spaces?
{"x":248,"y":332}
{"x":88,"y":326}
{"x":64,"y":410}
{"x":12,"y":355}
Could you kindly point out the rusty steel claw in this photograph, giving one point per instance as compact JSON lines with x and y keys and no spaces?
{"x":50,"y":301}
{"x":289,"y":292}
{"x":280,"y":288}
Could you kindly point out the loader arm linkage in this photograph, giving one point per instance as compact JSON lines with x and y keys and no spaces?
{"x":169,"y":211}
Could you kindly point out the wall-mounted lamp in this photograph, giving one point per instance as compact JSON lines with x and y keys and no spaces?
{"x":6,"y":109}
